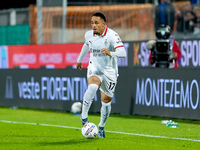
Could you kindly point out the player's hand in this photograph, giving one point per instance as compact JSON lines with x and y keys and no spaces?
{"x":105,"y":51}
{"x":78,"y":66}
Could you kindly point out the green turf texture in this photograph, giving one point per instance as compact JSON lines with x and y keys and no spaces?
{"x":37,"y":137}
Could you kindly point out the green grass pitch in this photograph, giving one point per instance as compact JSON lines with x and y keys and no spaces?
{"x":22,"y":129}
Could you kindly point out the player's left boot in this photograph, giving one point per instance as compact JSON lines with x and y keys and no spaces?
{"x":84,"y":121}
{"x":101,"y":133}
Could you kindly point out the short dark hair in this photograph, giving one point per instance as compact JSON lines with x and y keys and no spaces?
{"x":100,"y":14}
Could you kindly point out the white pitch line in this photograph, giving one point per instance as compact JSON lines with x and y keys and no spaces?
{"x":154,"y":136}
{"x":116,"y":132}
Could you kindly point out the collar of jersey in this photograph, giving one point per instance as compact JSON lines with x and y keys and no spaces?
{"x":104,"y":33}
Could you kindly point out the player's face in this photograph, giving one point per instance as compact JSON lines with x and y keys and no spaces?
{"x":98,"y":25}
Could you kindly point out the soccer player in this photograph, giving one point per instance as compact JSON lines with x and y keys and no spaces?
{"x":105,"y":47}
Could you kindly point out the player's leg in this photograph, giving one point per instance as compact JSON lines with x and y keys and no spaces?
{"x":93,"y":85}
{"x":107,"y":90}
{"x":105,"y":108}
{"x":105,"y":112}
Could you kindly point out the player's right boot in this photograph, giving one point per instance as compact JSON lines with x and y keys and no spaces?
{"x":101,"y":133}
{"x":84,"y":121}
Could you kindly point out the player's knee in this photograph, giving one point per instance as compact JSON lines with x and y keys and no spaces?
{"x":93,"y":87}
{"x":106,"y":99}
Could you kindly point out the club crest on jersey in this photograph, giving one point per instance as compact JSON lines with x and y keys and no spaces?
{"x":106,"y":42}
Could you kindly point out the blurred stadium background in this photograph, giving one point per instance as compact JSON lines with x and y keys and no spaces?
{"x":132,"y":19}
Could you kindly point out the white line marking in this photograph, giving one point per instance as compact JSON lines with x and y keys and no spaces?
{"x":68,"y":127}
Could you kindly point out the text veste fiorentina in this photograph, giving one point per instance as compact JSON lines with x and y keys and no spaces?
{"x":54,"y":88}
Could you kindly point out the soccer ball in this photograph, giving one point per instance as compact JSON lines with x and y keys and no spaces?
{"x":76,"y":107}
{"x":89,"y":131}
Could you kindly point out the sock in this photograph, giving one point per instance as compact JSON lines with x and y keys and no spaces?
{"x":105,"y":112}
{"x":87,"y":99}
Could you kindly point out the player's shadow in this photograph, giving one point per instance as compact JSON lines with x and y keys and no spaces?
{"x":67,"y":142}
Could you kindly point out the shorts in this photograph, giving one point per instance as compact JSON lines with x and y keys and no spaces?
{"x":108,"y":78}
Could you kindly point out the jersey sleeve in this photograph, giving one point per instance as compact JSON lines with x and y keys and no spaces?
{"x":86,"y":38}
{"x":116,"y":40}
{"x":84,"y":50}
{"x":118,"y":46}
{"x":119,"y":52}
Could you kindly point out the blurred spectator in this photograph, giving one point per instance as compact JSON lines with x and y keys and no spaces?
{"x":193,"y":2}
{"x":189,"y":21}
{"x":164,"y":14}
{"x":180,"y":21}
{"x":197,"y":25}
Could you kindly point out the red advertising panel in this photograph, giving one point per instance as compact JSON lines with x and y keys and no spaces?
{"x":49,"y":56}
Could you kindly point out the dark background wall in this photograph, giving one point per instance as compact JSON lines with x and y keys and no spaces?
{"x":144,"y":91}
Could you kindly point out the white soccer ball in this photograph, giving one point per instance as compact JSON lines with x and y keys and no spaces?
{"x":89,"y":131}
{"x":76,"y":107}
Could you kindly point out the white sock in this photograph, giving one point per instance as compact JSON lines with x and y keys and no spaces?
{"x":105,"y":112}
{"x":87,"y":99}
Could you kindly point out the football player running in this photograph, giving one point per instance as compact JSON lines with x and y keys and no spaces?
{"x":105,"y":47}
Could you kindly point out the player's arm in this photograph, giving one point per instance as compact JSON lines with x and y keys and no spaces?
{"x":84,"y":51}
{"x":119,"y":52}
{"x":118,"y":46}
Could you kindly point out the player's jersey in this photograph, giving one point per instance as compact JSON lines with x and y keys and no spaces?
{"x":109,"y":40}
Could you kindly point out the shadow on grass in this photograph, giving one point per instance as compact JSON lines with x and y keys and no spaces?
{"x":67,"y":142}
